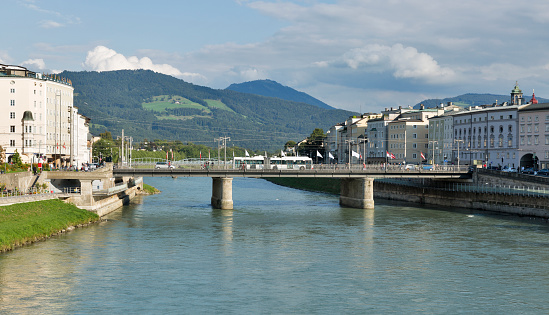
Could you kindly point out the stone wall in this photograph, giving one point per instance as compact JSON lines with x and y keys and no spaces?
{"x":515,"y":204}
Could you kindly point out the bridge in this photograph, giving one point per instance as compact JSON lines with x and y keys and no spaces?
{"x":356,"y":181}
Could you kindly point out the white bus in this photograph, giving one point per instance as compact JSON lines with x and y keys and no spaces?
{"x":276,"y":163}
{"x":253,"y":163}
{"x":291,"y":163}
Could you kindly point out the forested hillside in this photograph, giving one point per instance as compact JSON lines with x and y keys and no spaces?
{"x":156,"y":106}
{"x":274,"y":89}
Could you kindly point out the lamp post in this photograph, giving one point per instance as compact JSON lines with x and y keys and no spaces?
{"x":458,"y":141}
{"x":350,"y":149}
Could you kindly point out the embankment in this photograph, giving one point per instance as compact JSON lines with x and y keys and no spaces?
{"x":29,"y":222}
{"x":496,"y":202}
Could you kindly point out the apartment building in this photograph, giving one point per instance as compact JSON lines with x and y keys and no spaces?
{"x":533,"y":147}
{"x":38,"y":118}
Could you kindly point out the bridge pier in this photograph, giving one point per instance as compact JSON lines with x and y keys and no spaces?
{"x":222,"y":193}
{"x":357,"y":193}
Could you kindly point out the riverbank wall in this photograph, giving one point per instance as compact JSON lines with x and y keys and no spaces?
{"x":431,"y":193}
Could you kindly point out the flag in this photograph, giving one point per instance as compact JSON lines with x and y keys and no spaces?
{"x":166,"y":154}
{"x":201,"y":155}
{"x":246,"y":154}
{"x":354,"y":154}
{"x":282,"y":154}
{"x":393,"y":156}
{"x":318,"y":154}
{"x":64,"y":145}
{"x":172,"y":153}
{"x":330,"y":155}
{"x":422,"y":155}
{"x":390,"y":155}
{"x":209,"y":156}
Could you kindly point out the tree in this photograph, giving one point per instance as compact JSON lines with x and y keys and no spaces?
{"x":106,"y":135}
{"x":313,"y":143}
{"x":289,"y":144}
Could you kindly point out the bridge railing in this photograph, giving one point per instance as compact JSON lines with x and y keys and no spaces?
{"x":486,"y":188}
{"x":317,"y":167}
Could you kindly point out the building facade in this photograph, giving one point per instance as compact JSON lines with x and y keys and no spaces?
{"x":38,"y":117}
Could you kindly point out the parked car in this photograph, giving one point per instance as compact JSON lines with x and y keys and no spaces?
{"x":543,"y":172}
{"x":163,"y":165}
{"x":529,"y":170}
{"x":427,"y":167}
{"x":509,"y":170}
{"x":410,"y":167}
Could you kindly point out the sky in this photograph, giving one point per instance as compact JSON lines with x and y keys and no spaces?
{"x":358,"y":55}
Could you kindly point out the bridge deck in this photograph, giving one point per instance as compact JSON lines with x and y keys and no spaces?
{"x":326,"y":173}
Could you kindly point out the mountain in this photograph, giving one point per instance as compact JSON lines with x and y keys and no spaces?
{"x":471,"y":99}
{"x":274,"y":89}
{"x":156,"y":106}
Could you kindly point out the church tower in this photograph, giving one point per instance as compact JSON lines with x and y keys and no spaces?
{"x":516,"y":95}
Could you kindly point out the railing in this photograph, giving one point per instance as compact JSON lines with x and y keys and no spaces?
{"x":515,"y":190}
{"x":193,"y":165}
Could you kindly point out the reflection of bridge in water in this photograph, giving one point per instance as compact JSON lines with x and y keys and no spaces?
{"x":356,"y":182}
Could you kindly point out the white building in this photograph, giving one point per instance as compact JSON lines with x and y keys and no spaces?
{"x":38,"y":118}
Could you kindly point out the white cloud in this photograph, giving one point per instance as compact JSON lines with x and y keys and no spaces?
{"x":403,"y":62}
{"x":50,"y":24}
{"x":102,"y":58}
{"x":37,"y":63}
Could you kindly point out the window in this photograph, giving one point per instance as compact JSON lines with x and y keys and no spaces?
{"x":12,"y":143}
{"x":414,"y":156}
{"x":415,"y":127}
{"x":12,"y":129}
{"x":546,"y":139}
{"x":536,"y":127}
{"x":12,"y":102}
{"x":12,"y":115}
{"x":521,"y":140}
{"x":414,"y":145}
{"x":529,"y":140}
{"x":529,"y":128}
{"x":536,"y":140}
{"x":522,"y":128}
{"x":12,"y":90}
{"x":414,"y":135}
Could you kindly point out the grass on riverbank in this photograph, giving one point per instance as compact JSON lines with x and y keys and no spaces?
{"x":27,"y":222}
{"x":327,"y":185}
{"x":150,"y":189}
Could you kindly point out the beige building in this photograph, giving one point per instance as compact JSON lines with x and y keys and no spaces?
{"x":534,"y":135}
{"x":38,"y":118}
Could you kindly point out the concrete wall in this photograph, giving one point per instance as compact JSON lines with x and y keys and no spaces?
{"x":521,"y":205}
{"x":21,"y":180}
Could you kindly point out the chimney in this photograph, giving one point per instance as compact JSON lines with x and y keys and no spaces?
{"x":450,"y":104}
{"x":421,"y":107}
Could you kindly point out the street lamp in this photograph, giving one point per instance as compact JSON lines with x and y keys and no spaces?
{"x":458,"y":141}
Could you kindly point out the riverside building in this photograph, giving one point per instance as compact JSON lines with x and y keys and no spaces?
{"x":38,"y":118}
{"x":534,"y":135}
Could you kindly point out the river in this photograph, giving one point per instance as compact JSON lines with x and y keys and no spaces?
{"x":281,"y":251}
